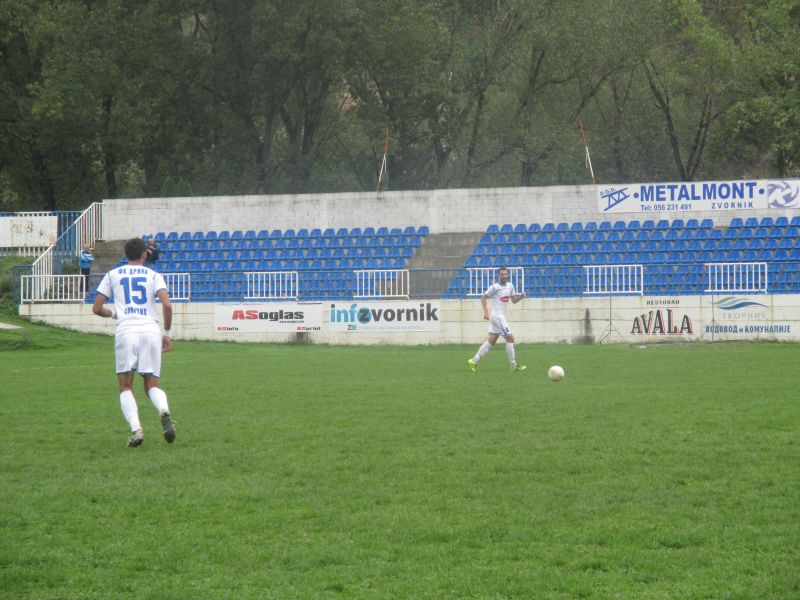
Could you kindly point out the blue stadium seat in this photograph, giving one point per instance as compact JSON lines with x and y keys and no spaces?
{"x":736,"y":222}
{"x":662,"y":224}
{"x":534,"y":228}
{"x":648,"y":224}
{"x":590,"y":226}
{"x":735,"y":255}
{"x":619,"y":226}
{"x":562,"y":227}
{"x":751,"y":222}
{"x":766,"y":222}
{"x":634,"y":225}
{"x":677,"y":224}
{"x":576,"y":227}
{"x":706,"y":224}
{"x":776,"y":231}
{"x":692,"y":224}
{"x":604,"y":226}
{"x":548,"y":228}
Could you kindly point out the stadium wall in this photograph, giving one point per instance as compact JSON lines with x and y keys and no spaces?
{"x":465,"y":210}
{"x":634,"y":320}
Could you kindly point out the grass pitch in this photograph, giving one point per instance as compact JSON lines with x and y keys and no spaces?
{"x":362,"y":472}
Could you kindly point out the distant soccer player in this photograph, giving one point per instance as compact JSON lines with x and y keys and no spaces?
{"x":138,"y":342}
{"x":500,"y":292}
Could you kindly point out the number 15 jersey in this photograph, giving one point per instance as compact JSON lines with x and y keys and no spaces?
{"x":133,"y":289}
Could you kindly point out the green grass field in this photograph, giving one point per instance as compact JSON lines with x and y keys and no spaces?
{"x":359,"y":472}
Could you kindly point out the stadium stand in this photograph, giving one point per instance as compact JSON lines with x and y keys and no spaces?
{"x":218,"y":261}
{"x":553,"y":255}
{"x":673,"y":253}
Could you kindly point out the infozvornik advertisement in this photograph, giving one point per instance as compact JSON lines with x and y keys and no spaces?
{"x":384,"y":316}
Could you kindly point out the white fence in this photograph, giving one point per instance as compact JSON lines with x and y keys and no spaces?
{"x":382,"y":283}
{"x":601,"y":280}
{"x":179,"y":286}
{"x":739,"y":277}
{"x":271,"y":285}
{"x":481,"y":278}
{"x":69,"y":288}
{"x":51,"y":288}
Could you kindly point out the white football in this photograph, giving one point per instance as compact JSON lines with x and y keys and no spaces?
{"x":555,"y":373}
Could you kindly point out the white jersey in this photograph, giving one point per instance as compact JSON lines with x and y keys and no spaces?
{"x":500,"y":295}
{"x":133,"y":289}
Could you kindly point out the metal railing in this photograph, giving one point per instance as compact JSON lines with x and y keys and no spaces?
{"x":87,"y":228}
{"x":70,"y":288}
{"x":737,"y":277}
{"x":179,"y":286}
{"x":613,"y":279}
{"x":51,"y":288}
{"x":382,"y":283}
{"x":271,"y":285}
{"x":482,"y":277}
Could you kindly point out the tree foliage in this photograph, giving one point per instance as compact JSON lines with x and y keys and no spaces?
{"x":109,"y":98}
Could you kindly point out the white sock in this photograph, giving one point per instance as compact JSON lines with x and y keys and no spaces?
{"x":159,"y":399}
{"x":511,"y":356}
{"x":485,"y":347}
{"x":129,"y":409}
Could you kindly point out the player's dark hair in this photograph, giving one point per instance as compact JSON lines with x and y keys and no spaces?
{"x":134,"y":248}
{"x":501,"y":269}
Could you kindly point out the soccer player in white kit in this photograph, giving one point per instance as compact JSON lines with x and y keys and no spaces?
{"x":501,"y":293}
{"x":138,"y":342}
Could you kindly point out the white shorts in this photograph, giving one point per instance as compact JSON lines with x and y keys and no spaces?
{"x":139,"y":351}
{"x":499,"y":326}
